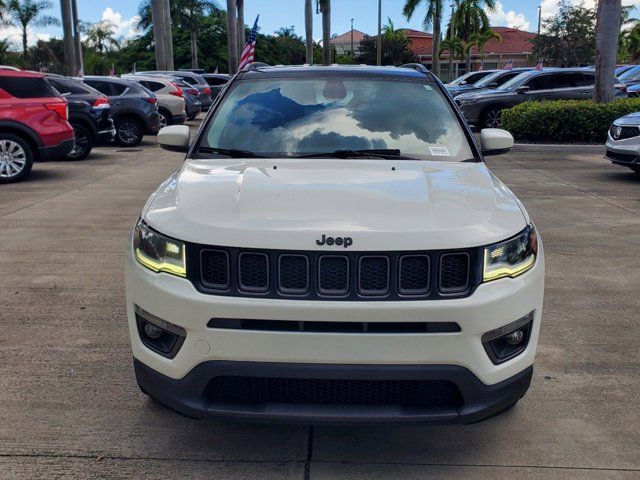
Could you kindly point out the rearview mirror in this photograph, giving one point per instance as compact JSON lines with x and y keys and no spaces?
{"x":495,"y":141}
{"x":174,"y":138}
{"x":523,"y":89}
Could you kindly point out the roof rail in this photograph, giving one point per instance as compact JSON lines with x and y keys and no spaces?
{"x":419,"y":67}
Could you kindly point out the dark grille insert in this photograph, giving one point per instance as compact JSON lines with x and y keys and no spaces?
{"x":254,"y":272}
{"x":293,"y":274}
{"x":373,"y":275}
{"x":454,"y":272}
{"x":215,"y":268}
{"x":333,"y":275}
{"x":262,"y":390}
{"x":333,"y":327}
{"x":625,"y":132}
{"x":414,"y":275}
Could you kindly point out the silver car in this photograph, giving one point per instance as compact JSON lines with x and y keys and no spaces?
{"x":623,"y":142}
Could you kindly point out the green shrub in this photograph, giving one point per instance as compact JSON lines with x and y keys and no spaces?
{"x":565,"y":120}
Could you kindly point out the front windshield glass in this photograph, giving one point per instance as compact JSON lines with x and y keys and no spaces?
{"x":289,"y":117}
{"x":489,"y":79}
{"x":631,"y":74}
{"x":515,"y":82}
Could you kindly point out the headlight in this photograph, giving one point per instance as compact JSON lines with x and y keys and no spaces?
{"x":512,"y":257}
{"x":467,"y":101}
{"x":157,"y":252}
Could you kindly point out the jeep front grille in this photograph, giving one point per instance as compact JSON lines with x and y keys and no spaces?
{"x":335,"y":275}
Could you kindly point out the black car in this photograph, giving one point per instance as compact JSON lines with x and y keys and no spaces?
{"x":89,"y":115}
{"x":134,"y":108}
{"x":491,"y":81}
{"x":217,"y":82}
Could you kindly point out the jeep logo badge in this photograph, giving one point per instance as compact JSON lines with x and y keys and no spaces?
{"x":346,"y":242}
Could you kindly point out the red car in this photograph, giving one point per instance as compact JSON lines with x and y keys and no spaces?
{"x":33,"y":123}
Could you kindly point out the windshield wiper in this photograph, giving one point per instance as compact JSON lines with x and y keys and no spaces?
{"x":231,"y":152}
{"x":394,"y":154}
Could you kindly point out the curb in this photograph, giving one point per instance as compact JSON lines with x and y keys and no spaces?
{"x":564,"y":148}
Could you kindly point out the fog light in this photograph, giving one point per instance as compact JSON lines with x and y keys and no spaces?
{"x":158,"y":335}
{"x":514,"y":338}
{"x":151,"y":331}
{"x":509,"y":341}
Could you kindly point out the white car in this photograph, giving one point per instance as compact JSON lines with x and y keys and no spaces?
{"x":623,"y":142}
{"x":334,"y":249}
{"x":171,"y":103}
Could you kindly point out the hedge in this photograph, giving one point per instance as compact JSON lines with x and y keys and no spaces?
{"x":565,"y":120}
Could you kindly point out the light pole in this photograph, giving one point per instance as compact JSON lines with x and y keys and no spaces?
{"x":352,"y":36}
{"x":539,"y":17}
{"x":379,"y":44}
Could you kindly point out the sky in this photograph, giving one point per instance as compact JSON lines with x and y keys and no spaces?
{"x":274,"y":14}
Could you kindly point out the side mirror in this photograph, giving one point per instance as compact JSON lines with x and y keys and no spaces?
{"x":523,"y":89}
{"x":495,"y":141}
{"x":174,"y":138}
{"x":463,"y":82}
{"x":493,"y":85}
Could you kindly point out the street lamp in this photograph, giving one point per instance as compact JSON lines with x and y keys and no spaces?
{"x":352,"y":36}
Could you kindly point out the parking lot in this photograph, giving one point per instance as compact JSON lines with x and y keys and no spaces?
{"x":70,"y":407}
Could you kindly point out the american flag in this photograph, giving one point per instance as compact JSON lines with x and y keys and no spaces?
{"x":509,"y":65}
{"x":538,"y":65}
{"x":246,"y":58}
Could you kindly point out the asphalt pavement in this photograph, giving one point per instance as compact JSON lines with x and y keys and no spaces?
{"x":70,"y":407}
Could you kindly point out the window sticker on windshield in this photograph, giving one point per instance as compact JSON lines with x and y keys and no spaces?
{"x":439,"y":151}
{"x":428,"y":88}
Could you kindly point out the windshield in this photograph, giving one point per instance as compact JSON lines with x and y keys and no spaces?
{"x":288,"y":117}
{"x":515,"y":82}
{"x":631,"y":74}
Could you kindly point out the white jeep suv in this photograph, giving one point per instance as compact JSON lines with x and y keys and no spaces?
{"x":334,"y":249}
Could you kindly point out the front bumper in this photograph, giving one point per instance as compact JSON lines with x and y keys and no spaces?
{"x":190,"y":397}
{"x":623,"y":152}
{"x":458,"y":357}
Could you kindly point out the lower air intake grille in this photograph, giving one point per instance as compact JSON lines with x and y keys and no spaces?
{"x":261,"y":390}
{"x":454,"y":272}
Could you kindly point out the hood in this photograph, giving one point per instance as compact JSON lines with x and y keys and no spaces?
{"x":458,"y":89}
{"x":418,"y":206}
{"x":630,"y":119}
{"x":483,"y":92}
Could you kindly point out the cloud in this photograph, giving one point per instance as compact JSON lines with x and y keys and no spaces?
{"x":14,"y":36}
{"x":122,"y":27}
{"x":500,"y":17}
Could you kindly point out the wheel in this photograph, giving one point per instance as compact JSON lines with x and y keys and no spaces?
{"x":83,"y":144}
{"x":491,"y":118}
{"x":165,"y":118}
{"x":16,"y":158}
{"x":129,"y":132}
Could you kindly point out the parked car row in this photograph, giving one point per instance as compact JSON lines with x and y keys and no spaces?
{"x":47,"y":117}
{"x":482,"y":102}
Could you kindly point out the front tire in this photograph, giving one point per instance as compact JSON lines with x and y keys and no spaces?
{"x":83,"y":144}
{"x":129,"y":132}
{"x":16,"y":158}
{"x":491,"y":118}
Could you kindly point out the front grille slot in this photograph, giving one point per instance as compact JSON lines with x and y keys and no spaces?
{"x":332,"y":327}
{"x":339,"y":276}
{"x":254,"y":272}
{"x":320,"y":391}
{"x":333,"y":275}
{"x":454,"y":272}
{"x":373,"y":275}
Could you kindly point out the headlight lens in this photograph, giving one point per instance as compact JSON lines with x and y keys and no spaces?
{"x":512,"y":257}
{"x":157,"y":252}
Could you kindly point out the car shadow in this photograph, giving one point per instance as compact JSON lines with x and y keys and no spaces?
{"x":629,"y":176}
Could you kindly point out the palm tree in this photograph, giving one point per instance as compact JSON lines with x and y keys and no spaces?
{"x":308,"y":29}
{"x":480,"y":39}
{"x":433,"y":18}
{"x":190,"y":14}
{"x":608,"y":15}
{"x":28,"y":13}
{"x":100,"y":36}
{"x":232,"y":36}
{"x":470,"y":17}
{"x":325,"y":9}
{"x":455,"y":46}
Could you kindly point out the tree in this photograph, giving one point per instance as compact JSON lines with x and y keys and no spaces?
{"x":456,"y":47}
{"x":395,"y":48}
{"x":433,"y":18}
{"x":480,"y":40}
{"x":189,"y":16}
{"x":470,"y":17}
{"x":308,"y":31}
{"x":569,"y":37}
{"x":28,"y":13}
{"x":325,"y":9}
{"x":100,"y":35}
{"x":232,"y":35}
{"x":607,"y":31}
